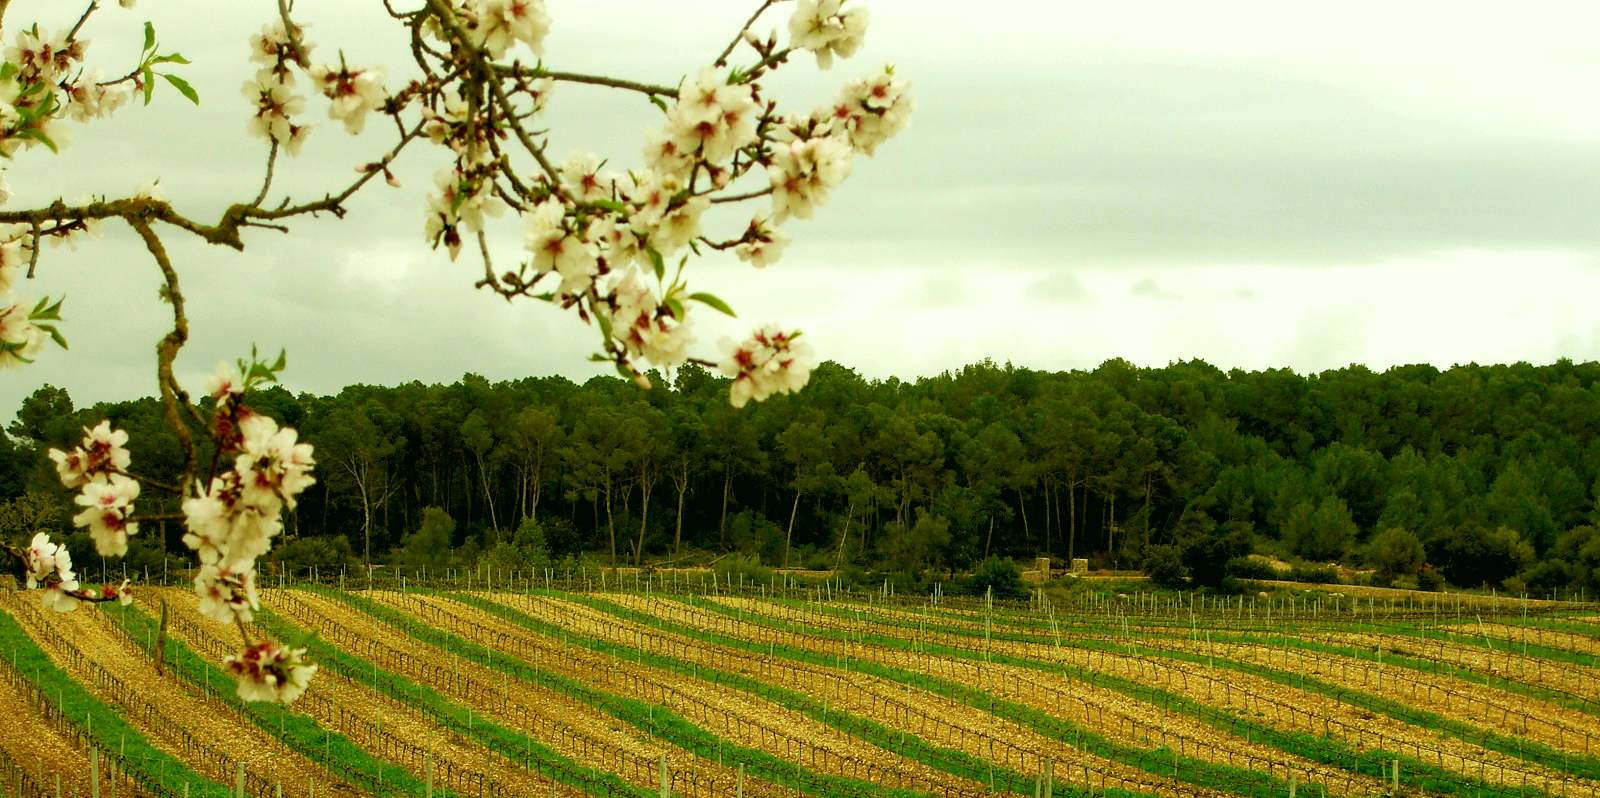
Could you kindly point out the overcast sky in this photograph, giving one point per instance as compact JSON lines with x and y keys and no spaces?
{"x":1258,"y":184}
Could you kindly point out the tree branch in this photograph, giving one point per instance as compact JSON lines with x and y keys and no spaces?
{"x":167,"y":348}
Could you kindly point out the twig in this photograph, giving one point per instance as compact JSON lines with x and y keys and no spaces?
{"x":741,"y":197}
{"x":726,"y":51}
{"x":73,"y":34}
{"x":266,"y":183}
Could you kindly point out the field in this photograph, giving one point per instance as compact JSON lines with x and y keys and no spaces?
{"x":526,"y":691}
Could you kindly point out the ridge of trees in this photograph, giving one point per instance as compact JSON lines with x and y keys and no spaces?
{"x":1478,"y":475}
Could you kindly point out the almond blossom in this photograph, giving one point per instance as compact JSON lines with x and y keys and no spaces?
{"x":556,"y":248}
{"x":495,"y":25}
{"x":108,"y":506}
{"x":763,"y":244}
{"x":103,"y":452}
{"x":712,"y":117}
{"x":827,"y":29}
{"x":20,"y":340}
{"x":227,"y":593}
{"x":803,"y":172}
{"x":272,"y":465}
{"x":771,"y":361}
{"x":873,"y":110}
{"x":268,"y":671}
{"x":275,"y":103}
{"x":50,"y":566}
{"x":582,"y":179}
{"x":354,"y":94}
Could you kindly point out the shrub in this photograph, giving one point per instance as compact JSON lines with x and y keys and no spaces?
{"x":1164,"y":565}
{"x":1319,"y":573}
{"x":1000,"y":575}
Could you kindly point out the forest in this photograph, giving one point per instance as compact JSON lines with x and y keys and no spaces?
{"x":1476,"y":476}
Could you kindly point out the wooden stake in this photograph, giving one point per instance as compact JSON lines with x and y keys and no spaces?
{"x":738,"y":784}
{"x":238,"y":781}
{"x":666,"y":784}
{"x":94,"y":775}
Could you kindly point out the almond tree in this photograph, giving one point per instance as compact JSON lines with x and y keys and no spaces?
{"x":610,"y":245}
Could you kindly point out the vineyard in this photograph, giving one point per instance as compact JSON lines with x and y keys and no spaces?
{"x":522,"y":687}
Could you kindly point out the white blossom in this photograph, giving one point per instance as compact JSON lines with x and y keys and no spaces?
{"x":582,"y":179}
{"x":770,"y":361}
{"x":764,"y":243}
{"x":712,"y":117}
{"x":495,"y":24}
{"x":872,"y":110}
{"x":802,"y":173}
{"x":103,"y":451}
{"x":679,"y":226}
{"x":556,"y":248}
{"x":827,"y":29}
{"x":108,"y":504}
{"x":268,"y":671}
{"x":42,"y":559}
{"x":619,"y":245}
{"x":20,"y":340}
{"x":90,"y":100}
{"x":353,"y":93}
{"x":272,"y":465}
{"x":227,"y":593}
{"x":274,"y":103}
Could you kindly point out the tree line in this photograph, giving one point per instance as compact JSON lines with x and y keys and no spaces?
{"x":1475,"y":475}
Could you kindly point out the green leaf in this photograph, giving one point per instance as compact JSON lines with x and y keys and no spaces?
{"x":149,"y":36}
{"x":55,"y":335}
{"x":611,"y":205}
{"x":676,"y":307}
{"x":149,"y":80}
{"x":657,"y":262}
{"x":183,"y":88}
{"x":170,"y":58}
{"x":605,"y":325}
{"x":658,"y":102}
{"x":283,"y":360}
{"x":713,"y":301}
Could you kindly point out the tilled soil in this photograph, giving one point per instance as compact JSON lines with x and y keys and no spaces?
{"x":735,"y":715}
{"x":1268,"y":702}
{"x":206,"y":721}
{"x":592,"y":738}
{"x":365,"y":717}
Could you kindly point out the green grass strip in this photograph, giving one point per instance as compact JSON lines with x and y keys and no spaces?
{"x":656,"y":721}
{"x":297,"y":731}
{"x":463,"y":720}
{"x":1309,"y":746}
{"x":949,"y":760}
{"x":140,"y":759}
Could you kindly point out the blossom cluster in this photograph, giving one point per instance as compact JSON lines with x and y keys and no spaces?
{"x":593,"y":236}
{"x":98,"y":467}
{"x":353,"y":93}
{"x":49,"y":565}
{"x":270,"y":671}
{"x":232,"y":521}
{"x":771,"y":361}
